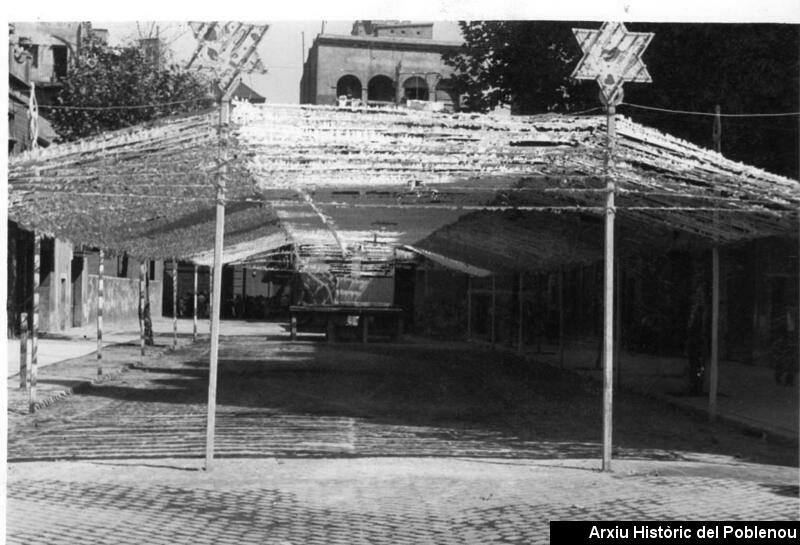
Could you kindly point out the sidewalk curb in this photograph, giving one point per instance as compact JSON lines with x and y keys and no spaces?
{"x":81,"y":387}
{"x":87,"y":384}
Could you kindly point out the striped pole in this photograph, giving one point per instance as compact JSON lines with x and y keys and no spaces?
{"x":23,"y":351}
{"x":100,"y":296}
{"x":174,"y":303}
{"x":142,"y":274}
{"x":209,"y":299}
{"x":194,"y":308}
{"x":35,"y":330}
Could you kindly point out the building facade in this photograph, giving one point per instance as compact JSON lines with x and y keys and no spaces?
{"x":39,"y":55}
{"x":380,"y":63}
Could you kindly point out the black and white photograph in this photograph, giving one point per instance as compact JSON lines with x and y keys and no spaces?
{"x":380,"y":273}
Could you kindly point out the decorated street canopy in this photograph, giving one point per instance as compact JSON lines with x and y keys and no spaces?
{"x":336,"y":180}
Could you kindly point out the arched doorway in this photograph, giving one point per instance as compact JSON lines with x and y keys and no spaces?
{"x":381,"y":88}
{"x":348,"y":86}
{"x":415,"y":88}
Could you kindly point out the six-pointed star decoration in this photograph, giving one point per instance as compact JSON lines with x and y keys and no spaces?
{"x":612,"y":55}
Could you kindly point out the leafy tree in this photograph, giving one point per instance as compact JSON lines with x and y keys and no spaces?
{"x":525,"y":64}
{"x":100,"y":76}
{"x":745,"y":68}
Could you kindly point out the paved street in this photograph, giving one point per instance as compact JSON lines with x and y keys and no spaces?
{"x":376,"y":444}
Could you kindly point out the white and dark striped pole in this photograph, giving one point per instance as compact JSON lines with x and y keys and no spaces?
{"x":194,"y":307}
{"x":100,"y":296}
{"x":174,"y":303}
{"x":142,"y":273}
{"x":23,"y":351}
{"x":35,"y":329}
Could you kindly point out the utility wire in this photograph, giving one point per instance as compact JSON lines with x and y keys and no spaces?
{"x":709,"y":114}
{"x":638,"y":106}
{"x":132,"y":107}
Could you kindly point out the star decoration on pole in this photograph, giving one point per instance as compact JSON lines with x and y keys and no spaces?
{"x":612,"y":55}
{"x":228,"y":49}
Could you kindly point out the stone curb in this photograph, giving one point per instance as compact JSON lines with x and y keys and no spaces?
{"x":80,"y":387}
{"x":85,"y":385}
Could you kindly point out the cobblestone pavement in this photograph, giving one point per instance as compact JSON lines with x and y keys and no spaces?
{"x":388,"y":500}
{"x":379,"y":444}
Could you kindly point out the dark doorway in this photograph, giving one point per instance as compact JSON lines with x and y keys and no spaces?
{"x":381,"y":89}
{"x":404,"y":294}
{"x":348,"y":86}
{"x":76,"y":278}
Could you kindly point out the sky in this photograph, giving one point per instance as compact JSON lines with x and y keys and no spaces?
{"x":282,"y":49}
{"x":295,"y":24}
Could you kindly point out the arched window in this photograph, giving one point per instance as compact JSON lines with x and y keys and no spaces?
{"x":348,"y":86}
{"x":446,"y":92}
{"x":415,"y":88}
{"x":381,"y":88}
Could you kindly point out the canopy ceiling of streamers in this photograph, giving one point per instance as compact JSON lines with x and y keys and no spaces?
{"x":496,"y":194}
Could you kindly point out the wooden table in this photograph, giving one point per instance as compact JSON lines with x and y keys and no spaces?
{"x":331,"y":314}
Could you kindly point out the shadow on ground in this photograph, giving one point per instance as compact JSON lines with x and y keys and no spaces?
{"x":314,"y":399}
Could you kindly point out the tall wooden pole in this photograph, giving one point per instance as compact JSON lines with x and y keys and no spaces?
{"x":174,"y":303}
{"x":100,"y":295}
{"x":618,"y":321}
{"x":713,"y":378}
{"x":611,"y":56}
{"x":35,"y":330}
{"x":142,"y":273}
{"x":608,"y":300}
{"x":217,"y":287}
{"x":194,"y":307}
{"x":520,"y":325}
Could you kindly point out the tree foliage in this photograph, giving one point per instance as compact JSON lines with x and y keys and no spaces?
{"x":525,"y":64}
{"x":115,"y":79}
{"x":743,"y":68}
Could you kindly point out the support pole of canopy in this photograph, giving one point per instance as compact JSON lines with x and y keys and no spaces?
{"x":608,"y":301}
{"x":618,"y":321}
{"x":194,"y":307}
{"x":216,"y":289}
{"x":174,"y":303}
{"x":35,"y":329}
{"x":101,"y":256}
{"x":520,"y":325}
{"x":142,"y":274}
{"x":713,"y":377}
